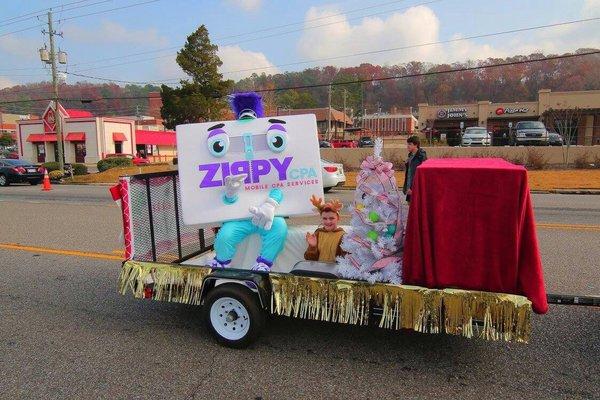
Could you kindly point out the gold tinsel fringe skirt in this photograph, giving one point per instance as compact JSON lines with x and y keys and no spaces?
{"x":501,"y":316}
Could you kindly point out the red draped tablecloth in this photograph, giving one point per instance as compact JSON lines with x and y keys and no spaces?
{"x":471,"y":226}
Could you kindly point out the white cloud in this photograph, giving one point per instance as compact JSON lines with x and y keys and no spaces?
{"x":112,"y":32}
{"x":22,"y":48}
{"x":591,"y":8}
{"x":420,"y":25}
{"x":239,"y":63}
{"x":415,"y":25}
{"x":5,"y":82}
{"x":248,"y":5}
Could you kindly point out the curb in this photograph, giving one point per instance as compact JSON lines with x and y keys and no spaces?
{"x":550,"y":191}
{"x":348,"y":188}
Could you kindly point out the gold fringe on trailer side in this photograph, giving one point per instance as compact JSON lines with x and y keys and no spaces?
{"x":320,"y":299}
{"x":174,"y":283}
{"x":504,"y":316}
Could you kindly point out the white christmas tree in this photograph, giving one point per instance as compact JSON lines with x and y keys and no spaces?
{"x":374,"y":245}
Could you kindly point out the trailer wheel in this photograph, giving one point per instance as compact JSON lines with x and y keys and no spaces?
{"x":233,"y":315}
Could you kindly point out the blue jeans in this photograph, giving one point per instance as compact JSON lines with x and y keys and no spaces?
{"x":232,"y":233}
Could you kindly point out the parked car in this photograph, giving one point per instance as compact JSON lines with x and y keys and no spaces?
{"x":554,"y":139}
{"x":333,"y":175}
{"x":135,"y":159}
{"x":19,"y":171}
{"x":476,"y":136}
{"x":339,"y":143}
{"x":530,"y":132}
{"x":324,"y":144}
{"x":365,"y":141}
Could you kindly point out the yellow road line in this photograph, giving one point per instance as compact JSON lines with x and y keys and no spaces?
{"x":117,"y":255}
{"x":569,"y":227}
{"x":76,"y":253}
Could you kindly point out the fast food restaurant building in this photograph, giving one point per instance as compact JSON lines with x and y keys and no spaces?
{"x":86,"y":138}
{"x":446,"y":119}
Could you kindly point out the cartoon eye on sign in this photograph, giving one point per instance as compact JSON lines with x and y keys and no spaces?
{"x":281,"y":152}
{"x":277,"y":137}
{"x":218,"y":141}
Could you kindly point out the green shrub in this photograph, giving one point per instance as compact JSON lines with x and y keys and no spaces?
{"x":51,"y":166}
{"x":113,"y":162}
{"x":56,"y":175}
{"x":79,"y":169}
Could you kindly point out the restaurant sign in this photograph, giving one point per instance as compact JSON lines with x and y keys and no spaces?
{"x":452,"y":112}
{"x":511,"y":110}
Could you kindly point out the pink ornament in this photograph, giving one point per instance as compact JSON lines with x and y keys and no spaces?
{"x":384,"y":262}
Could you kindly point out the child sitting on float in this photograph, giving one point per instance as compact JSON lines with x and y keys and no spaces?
{"x":324,"y":243}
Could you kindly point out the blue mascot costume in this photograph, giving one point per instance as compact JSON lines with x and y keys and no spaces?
{"x":272,"y":229}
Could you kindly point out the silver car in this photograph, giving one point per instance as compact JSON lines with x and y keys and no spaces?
{"x":476,"y":136}
{"x":530,"y":132}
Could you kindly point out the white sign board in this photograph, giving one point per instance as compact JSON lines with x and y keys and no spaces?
{"x":274,"y":152}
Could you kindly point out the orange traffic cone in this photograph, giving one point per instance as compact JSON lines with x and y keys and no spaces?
{"x":46,"y":186}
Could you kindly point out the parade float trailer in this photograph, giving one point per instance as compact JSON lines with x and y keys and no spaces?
{"x":167,"y":260}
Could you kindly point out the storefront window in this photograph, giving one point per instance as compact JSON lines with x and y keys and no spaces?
{"x":118,"y":147}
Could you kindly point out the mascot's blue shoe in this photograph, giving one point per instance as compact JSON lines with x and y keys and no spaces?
{"x":262,"y":265}
{"x":215,"y":263}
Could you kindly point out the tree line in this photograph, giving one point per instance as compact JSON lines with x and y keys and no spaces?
{"x":202,"y":95}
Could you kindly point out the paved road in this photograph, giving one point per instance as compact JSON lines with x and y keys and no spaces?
{"x":66,"y":333}
{"x":560,"y":208}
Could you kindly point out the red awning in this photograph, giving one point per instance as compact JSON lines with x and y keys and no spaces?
{"x":41,"y":137}
{"x":75,"y":137}
{"x":74,"y":113}
{"x":163,"y":138}
{"x":119,"y":137}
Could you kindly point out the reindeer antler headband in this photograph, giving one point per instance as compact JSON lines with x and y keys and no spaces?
{"x":331,"y":205}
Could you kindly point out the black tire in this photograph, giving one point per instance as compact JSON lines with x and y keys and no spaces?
{"x":4,"y":180}
{"x":249,"y":301}
{"x":33,"y":183}
{"x":327,"y":189}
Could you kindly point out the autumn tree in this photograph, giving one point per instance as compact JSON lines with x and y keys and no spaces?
{"x":565,"y":121}
{"x":202,"y":96}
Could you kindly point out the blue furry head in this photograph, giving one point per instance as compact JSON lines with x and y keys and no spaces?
{"x":247,"y":105}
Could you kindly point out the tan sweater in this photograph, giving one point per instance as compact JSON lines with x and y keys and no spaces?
{"x":328,"y":246}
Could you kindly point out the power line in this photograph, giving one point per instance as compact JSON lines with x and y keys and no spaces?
{"x":367,"y":52}
{"x":421,"y":74}
{"x":424,"y":44}
{"x":111,"y":9}
{"x":22,"y":30}
{"x":242,"y":34}
{"x":330,"y":23}
{"x":42,"y":11}
{"x":83,"y":15}
{"x":63,"y":10}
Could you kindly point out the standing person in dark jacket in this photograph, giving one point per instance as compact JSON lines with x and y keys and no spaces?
{"x":416,"y":157}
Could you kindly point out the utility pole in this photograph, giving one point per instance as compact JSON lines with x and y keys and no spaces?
{"x":345,"y":113}
{"x":57,"y":121}
{"x":329,"y":113}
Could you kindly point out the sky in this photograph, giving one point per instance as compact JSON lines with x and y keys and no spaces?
{"x":271,"y":36}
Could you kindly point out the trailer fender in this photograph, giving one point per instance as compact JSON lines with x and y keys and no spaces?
{"x":256,"y":282}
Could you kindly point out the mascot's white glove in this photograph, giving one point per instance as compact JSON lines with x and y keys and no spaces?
{"x":233,"y":184}
{"x":262,"y":216}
